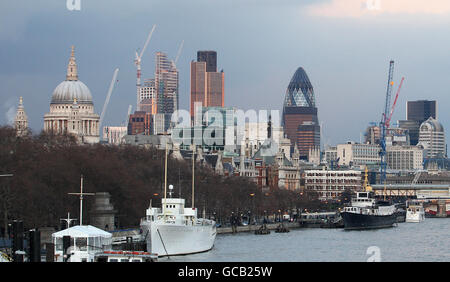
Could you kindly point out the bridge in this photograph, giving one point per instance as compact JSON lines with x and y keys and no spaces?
{"x":423,"y":191}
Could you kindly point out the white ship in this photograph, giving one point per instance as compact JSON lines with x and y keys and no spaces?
{"x":174,"y":229}
{"x":415,"y":212}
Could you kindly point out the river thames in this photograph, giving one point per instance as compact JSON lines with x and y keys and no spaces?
{"x":428,"y":241}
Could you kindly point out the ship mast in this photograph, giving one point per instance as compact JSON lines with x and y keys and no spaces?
{"x":193,"y":174}
{"x":165,"y":183}
{"x":81,"y":194}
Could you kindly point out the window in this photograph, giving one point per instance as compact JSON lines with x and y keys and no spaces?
{"x":81,"y":243}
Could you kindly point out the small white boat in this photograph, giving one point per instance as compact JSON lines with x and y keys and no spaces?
{"x":415,"y":212}
{"x":125,"y":256}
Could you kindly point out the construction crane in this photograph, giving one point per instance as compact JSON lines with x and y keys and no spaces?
{"x":137,"y":62}
{"x":388,"y":121}
{"x":108,"y":96}
{"x":384,"y":117}
{"x":130,"y":107}
{"x":179,"y":52}
{"x":416,"y":177}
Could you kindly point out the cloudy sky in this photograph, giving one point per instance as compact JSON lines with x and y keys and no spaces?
{"x":343,"y":45}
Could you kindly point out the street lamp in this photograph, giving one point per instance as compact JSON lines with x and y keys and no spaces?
{"x":252,"y":195}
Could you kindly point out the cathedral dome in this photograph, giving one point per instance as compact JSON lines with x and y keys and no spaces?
{"x":70,"y":89}
{"x":67,"y":91}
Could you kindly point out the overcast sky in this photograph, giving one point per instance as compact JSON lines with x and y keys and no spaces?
{"x":343,"y":45}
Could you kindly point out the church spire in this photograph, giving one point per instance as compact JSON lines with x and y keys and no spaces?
{"x":72,"y":73}
{"x":21,"y":120}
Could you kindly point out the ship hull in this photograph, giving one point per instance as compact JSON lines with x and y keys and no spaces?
{"x":355,"y":221}
{"x":415,"y":217}
{"x":172,"y":239}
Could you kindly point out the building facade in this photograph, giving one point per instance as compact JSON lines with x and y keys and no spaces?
{"x":329,"y":184}
{"x":72,"y":108}
{"x":114,"y":134}
{"x":404,"y":157}
{"x":432,"y":138}
{"x":148,"y":97}
{"x":140,"y":123}
{"x":355,"y":154}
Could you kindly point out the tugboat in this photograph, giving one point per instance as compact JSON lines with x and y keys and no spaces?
{"x":175,"y":229}
{"x":415,"y":212}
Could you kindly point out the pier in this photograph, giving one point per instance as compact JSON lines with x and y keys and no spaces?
{"x":253,"y":228}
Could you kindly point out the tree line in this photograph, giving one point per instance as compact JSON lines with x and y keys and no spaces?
{"x":47,"y":167}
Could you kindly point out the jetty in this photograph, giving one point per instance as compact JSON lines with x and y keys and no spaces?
{"x":253,"y":228}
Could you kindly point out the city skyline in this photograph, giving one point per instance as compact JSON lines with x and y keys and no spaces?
{"x":256,"y":49}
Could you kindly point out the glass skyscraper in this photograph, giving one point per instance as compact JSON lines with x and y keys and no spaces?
{"x":300,"y":121}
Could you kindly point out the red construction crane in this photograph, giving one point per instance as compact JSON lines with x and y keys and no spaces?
{"x":393,"y":105}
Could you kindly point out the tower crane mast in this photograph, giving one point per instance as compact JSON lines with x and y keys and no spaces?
{"x":108,"y":96}
{"x":384,"y":118}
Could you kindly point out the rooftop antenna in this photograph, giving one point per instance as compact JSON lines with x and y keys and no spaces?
{"x":81,"y":194}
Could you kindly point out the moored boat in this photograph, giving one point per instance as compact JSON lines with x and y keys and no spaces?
{"x":174,"y":229}
{"x":415,"y":212}
{"x":365,"y":212}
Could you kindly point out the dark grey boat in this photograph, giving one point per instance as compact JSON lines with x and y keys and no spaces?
{"x":366,"y":212}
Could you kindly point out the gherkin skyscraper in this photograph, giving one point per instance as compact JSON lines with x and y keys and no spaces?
{"x":300,"y":121}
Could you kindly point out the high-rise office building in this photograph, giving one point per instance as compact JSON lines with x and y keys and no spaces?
{"x":416,"y":113}
{"x":432,"y":138}
{"x":207,"y":85}
{"x":421,"y":110}
{"x":300,"y":121}
{"x":210,"y":57}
